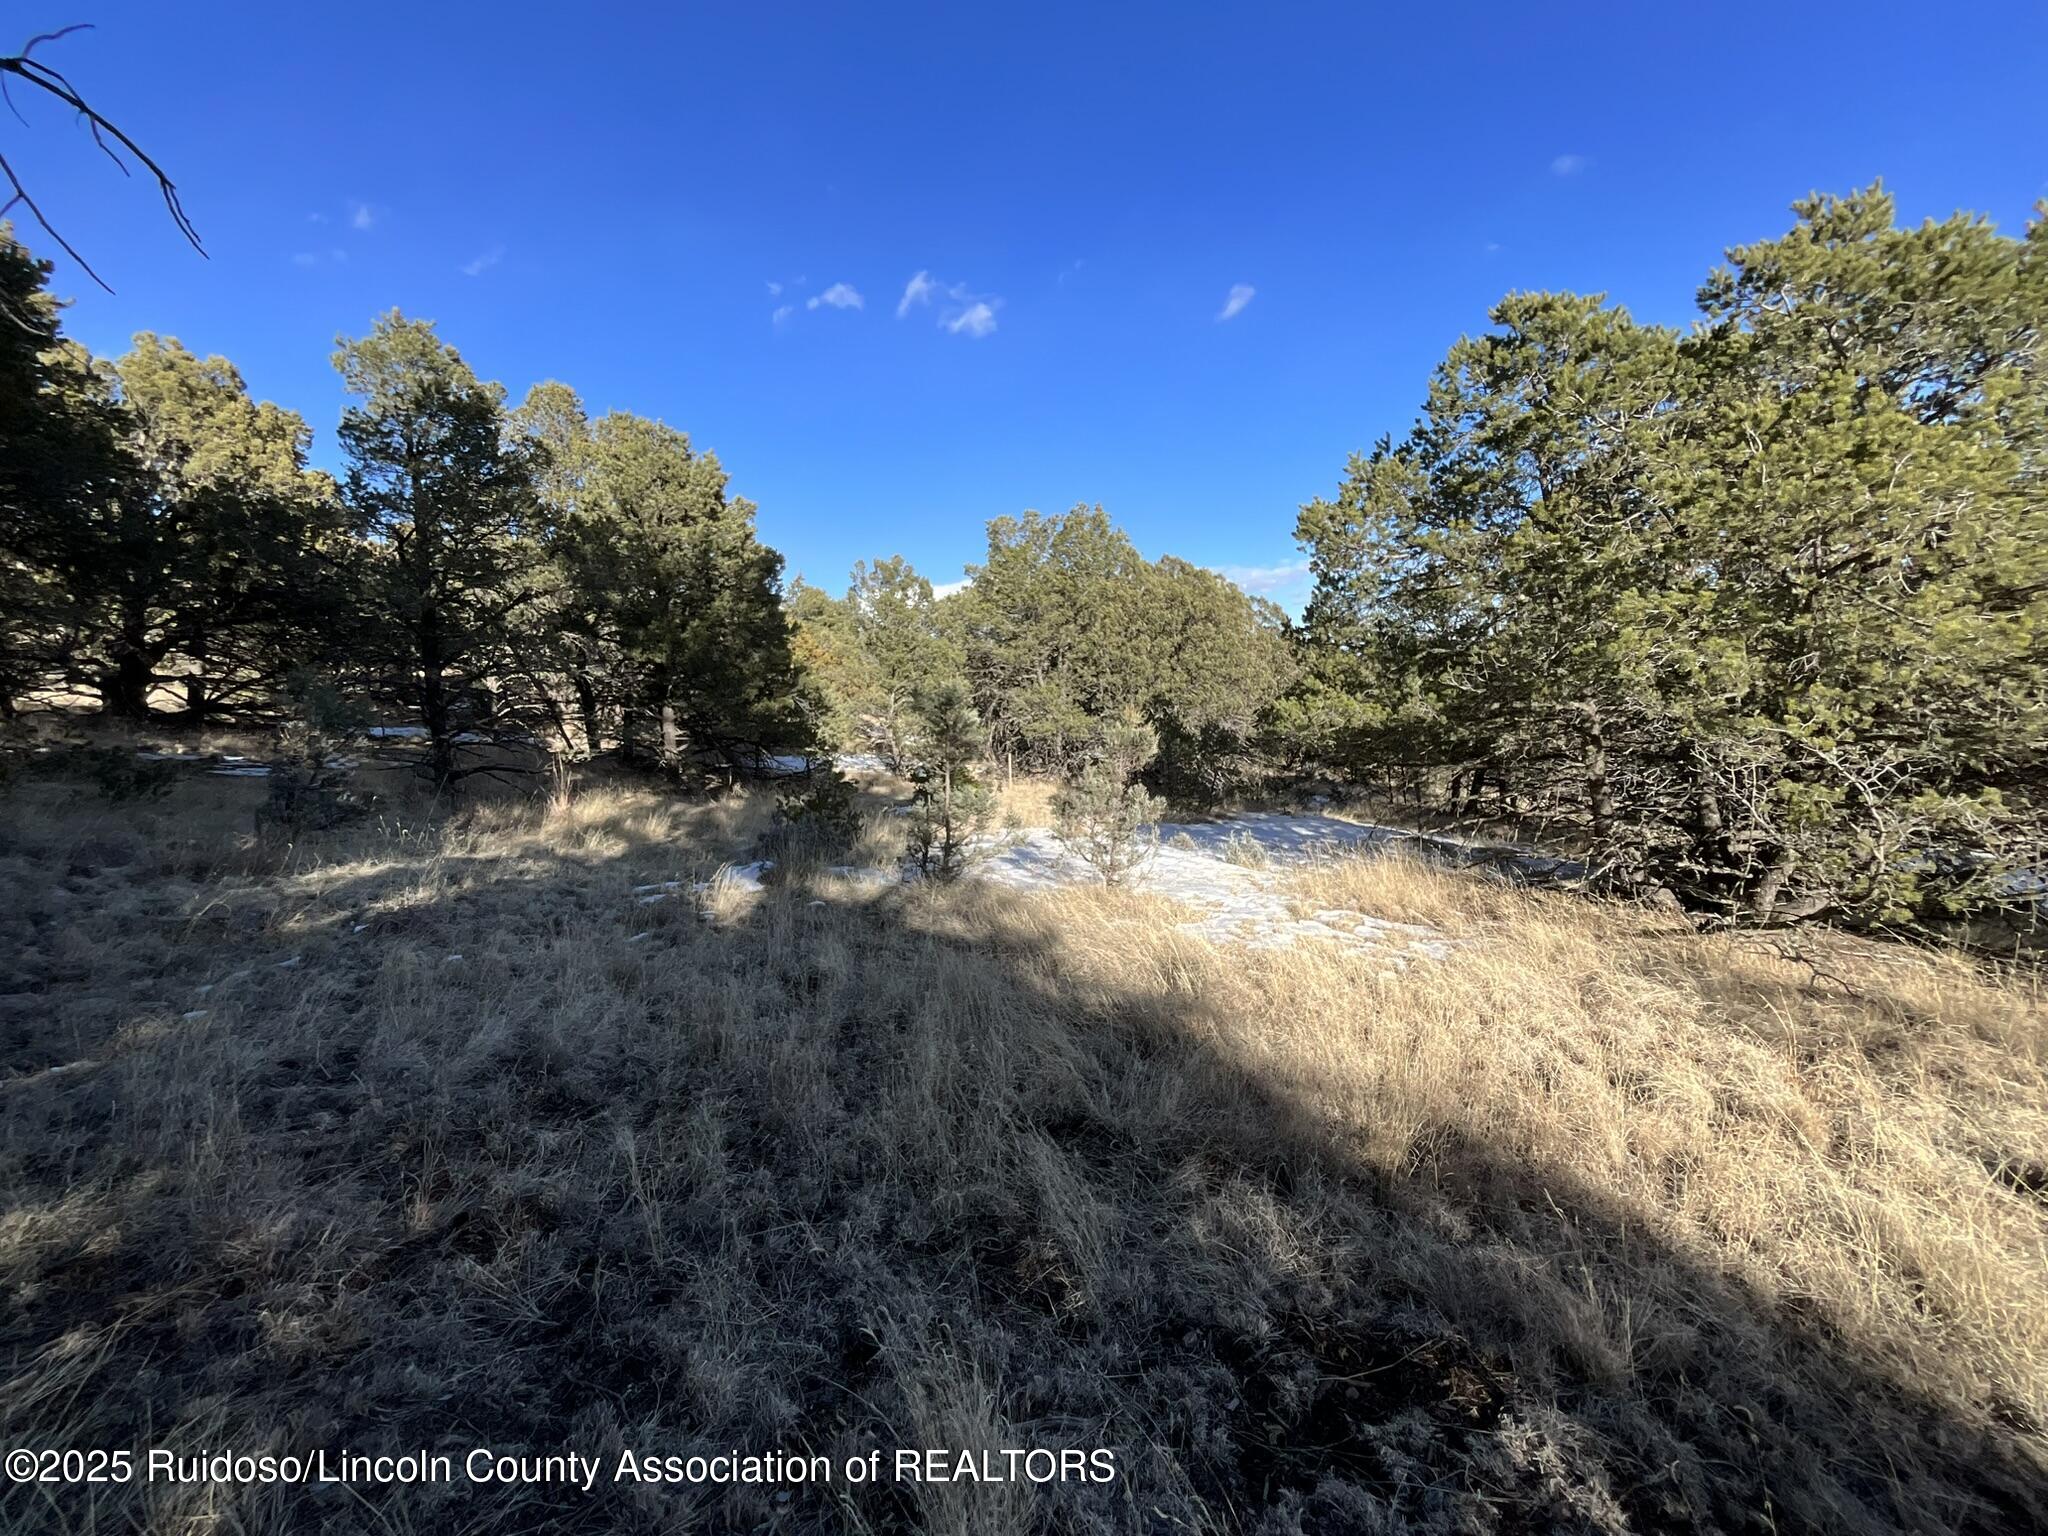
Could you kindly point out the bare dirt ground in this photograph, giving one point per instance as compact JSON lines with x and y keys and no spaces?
{"x":430,"y":1134}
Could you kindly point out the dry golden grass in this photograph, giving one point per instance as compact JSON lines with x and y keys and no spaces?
{"x":1596,"y":1225}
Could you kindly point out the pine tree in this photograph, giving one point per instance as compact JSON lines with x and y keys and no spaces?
{"x":60,"y":458}
{"x":952,"y":806}
{"x":446,"y":501}
{"x":1104,"y":816}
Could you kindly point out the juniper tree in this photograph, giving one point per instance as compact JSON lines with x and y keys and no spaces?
{"x":159,"y":523}
{"x":673,"y":603}
{"x":1067,"y":625}
{"x":221,"y":551}
{"x":1762,"y":608}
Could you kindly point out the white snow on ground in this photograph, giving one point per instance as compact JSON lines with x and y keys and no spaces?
{"x":1234,"y":902}
{"x":738,"y":877}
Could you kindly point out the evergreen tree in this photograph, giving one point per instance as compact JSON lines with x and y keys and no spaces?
{"x":446,"y":501}
{"x":223,"y":553}
{"x":1105,"y":817}
{"x":836,"y":674}
{"x":1761,"y":609}
{"x":60,"y":459}
{"x":160,"y":525}
{"x":674,"y":603}
{"x":952,"y":805}
{"x":1067,"y":626}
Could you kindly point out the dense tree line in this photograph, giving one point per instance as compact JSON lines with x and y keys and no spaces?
{"x":1754,"y":614}
{"x":498,"y":575}
{"x":1759,"y":610}
{"x":1064,"y":631}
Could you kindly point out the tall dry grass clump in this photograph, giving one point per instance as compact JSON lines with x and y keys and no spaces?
{"x":494,"y":1130}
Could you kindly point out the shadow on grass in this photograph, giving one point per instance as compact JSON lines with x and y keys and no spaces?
{"x":839,"y":1169}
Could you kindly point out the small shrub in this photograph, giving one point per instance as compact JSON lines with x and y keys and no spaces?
{"x":115,"y":773}
{"x":1105,"y":817}
{"x":1245,"y":851}
{"x":310,"y":787}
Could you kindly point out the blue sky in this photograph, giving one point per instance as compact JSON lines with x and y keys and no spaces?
{"x":906,"y":268}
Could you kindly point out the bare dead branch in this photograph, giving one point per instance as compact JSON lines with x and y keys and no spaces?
{"x":25,"y":66}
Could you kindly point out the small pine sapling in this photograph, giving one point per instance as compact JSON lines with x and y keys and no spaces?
{"x":952,"y":805}
{"x":1105,"y":817}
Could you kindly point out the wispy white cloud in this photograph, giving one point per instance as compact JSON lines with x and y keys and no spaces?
{"x":838,"y":296}
{"x":1240,"y":295}
{"x":476,"y":266}
{"x":775,"y":290}
{"x":330,"y":258}
{"x":951,"y":588}
{"x":918,"y":290}
{"x":361,"y":216}
{"x":976,"y":320}
{"x":962,"y":312}
{"x":1568,"y":165}
{"x":782,"y":313}
{"x":1265,"y":580}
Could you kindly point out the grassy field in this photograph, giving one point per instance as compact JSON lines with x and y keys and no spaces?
{"x":432,"y":1134}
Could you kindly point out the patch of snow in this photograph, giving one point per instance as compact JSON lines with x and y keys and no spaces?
{"x":642,"y":934}
{"x":1234,"y":904}
{"x":740,"y":877}
{"x":245,"y":771}
{"x":861,"y":762}
{"x":396,"y":733}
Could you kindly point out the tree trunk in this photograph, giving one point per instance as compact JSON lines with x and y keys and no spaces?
{"x":1599,"y":793}
{"x":671,"y":744}
{"x":434,"y":701}
{"x":196,"y":697}
{"x":1763,"y":901}
{"x":586,"y":709}
{"x":124,"y":692}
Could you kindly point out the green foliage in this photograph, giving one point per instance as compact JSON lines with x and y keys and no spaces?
{"x":871,"y":654}
{"x":666,"y":606}
{"x":952,"y":806}
{"x":823,"y":807}
{"x":1762,"y":608}
{"x":57,"y":453}
{"x":444,"y":498}
{"x":1066,"y":626}
{"x":310,"y":785}
{"x":1104,"y":816}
